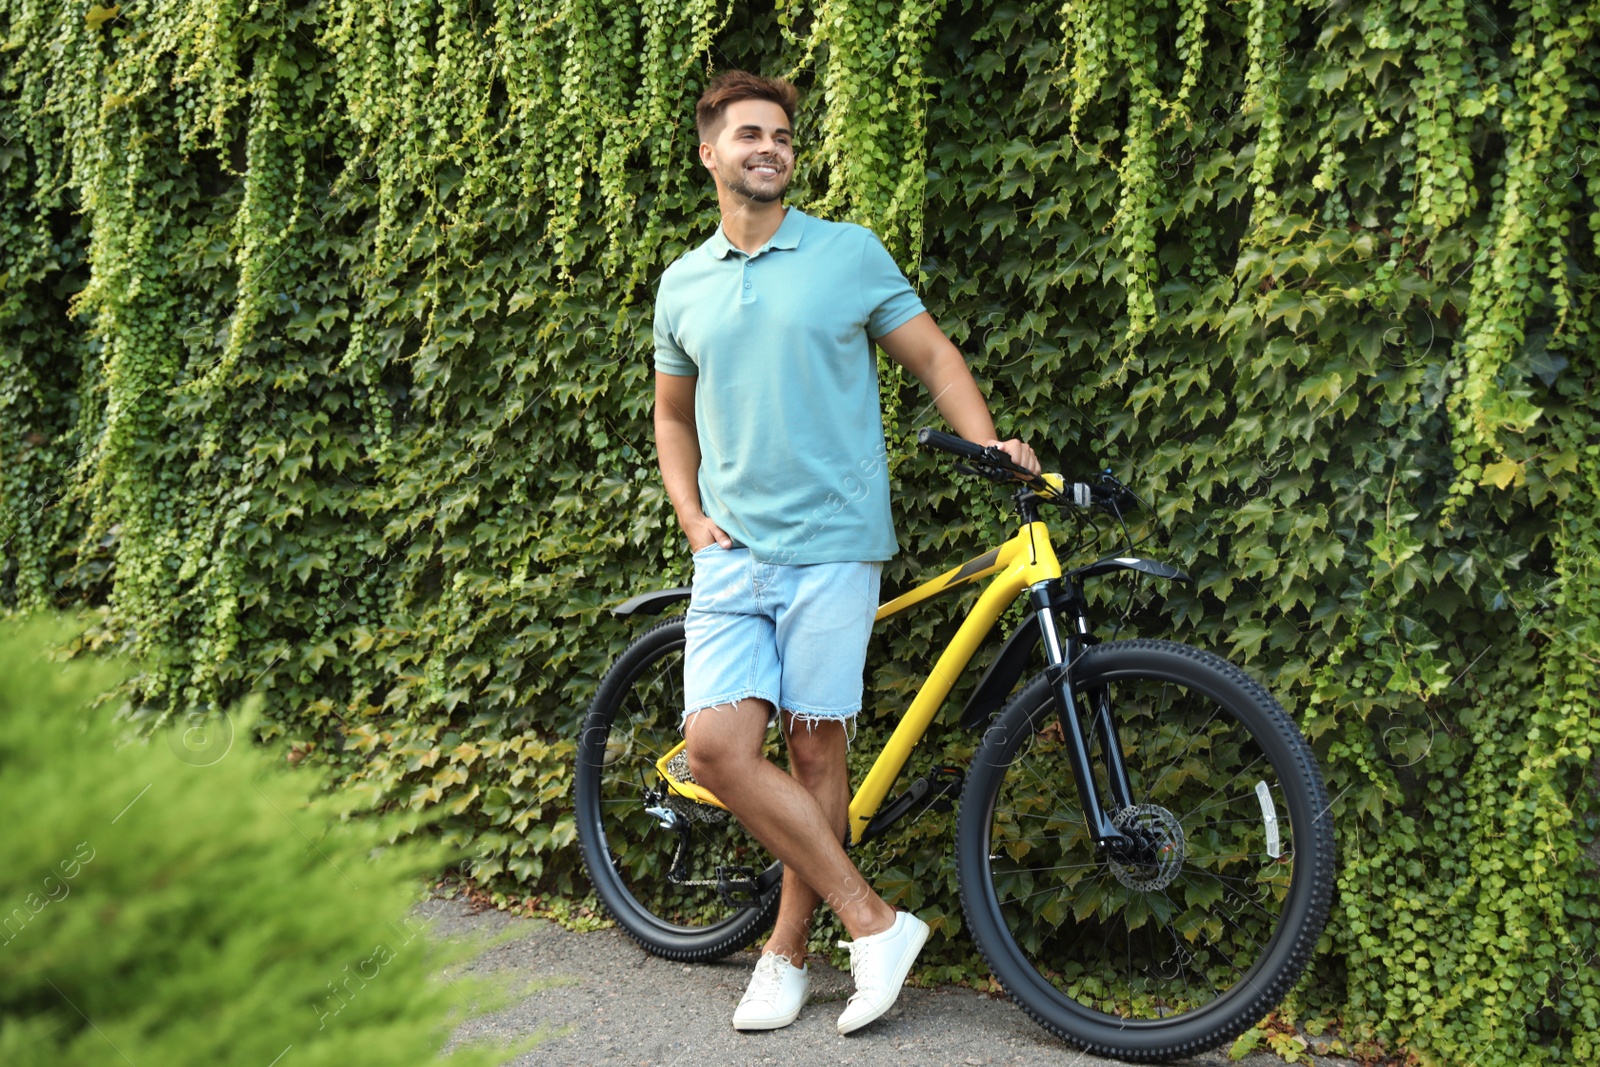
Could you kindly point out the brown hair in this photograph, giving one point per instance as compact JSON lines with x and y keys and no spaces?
{"x":732,"y":86}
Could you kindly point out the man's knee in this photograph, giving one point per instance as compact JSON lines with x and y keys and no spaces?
{"x":709,"y":754}
{"x":816,"y":749}
{"x":723,"y":739}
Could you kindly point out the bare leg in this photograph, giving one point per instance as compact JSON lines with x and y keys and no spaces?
{"x":816,"y":761}
{"x":725,"y":755}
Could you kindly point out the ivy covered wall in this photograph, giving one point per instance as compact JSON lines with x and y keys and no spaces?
{"x":324,"y":373}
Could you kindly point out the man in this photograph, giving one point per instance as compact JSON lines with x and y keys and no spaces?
{"x":771,"y":447}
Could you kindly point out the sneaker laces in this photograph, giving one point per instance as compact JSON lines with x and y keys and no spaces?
{"x":768,"y":978}
{"x":857,"y":952}
{"x":850,"y":947}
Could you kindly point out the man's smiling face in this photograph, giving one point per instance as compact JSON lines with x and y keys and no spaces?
{"x":753,"y":153}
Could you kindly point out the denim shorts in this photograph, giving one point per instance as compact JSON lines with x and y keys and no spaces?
{"x":792,"y":635}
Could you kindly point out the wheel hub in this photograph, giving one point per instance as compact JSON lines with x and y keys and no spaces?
{"x":1155,"y":851}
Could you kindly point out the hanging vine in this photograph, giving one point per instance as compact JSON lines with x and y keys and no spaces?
{"x":1448,"y":97}
{"x":1523,"y":262}
{"x":1134,"y":223}
{"x":872,"y":135}
{"x":1263,"y":94}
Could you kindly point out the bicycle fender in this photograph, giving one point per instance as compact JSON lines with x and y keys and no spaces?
{"x":1151,"y":567}
{"x":1001,"y":677}
{"x":651,"y":603}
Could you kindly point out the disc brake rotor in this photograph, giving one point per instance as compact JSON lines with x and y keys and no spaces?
{"x":1161,"y":844}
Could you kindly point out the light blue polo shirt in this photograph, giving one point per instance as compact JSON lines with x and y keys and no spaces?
{"x":792,"y":458}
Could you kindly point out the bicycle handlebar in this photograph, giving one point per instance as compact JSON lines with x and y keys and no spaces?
{"x":1113,"y":496}
{"x":960,"y":446}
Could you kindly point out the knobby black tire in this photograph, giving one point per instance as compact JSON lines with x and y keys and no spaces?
{"x":631,"y":723}
{"x":1148,"y":962}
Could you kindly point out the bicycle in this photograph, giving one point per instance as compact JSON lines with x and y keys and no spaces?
{"x":1158,"y":904}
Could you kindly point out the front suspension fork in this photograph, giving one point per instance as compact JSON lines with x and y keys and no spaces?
{"x":1058,"y":656}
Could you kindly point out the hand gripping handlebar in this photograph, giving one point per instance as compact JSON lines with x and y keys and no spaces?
{"x":994,"y":464}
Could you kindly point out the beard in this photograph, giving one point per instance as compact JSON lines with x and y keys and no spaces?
{"x":764,"y":193}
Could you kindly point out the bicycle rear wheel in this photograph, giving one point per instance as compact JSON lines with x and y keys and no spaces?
{"x":1189,"y":942}
{"x":629,"y":856}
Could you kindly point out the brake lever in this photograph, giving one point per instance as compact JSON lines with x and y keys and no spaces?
{"x":993,"y":474}
{"x":1116,"y":498}
{"x":1010,"y":469}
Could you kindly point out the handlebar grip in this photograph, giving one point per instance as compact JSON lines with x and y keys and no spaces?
{"x":949,"y":442}
{"x":960,"y":446}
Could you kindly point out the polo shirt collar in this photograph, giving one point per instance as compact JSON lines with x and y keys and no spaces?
{"x":786,"y":237}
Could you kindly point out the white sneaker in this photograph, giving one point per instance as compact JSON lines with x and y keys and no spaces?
{"x":879,"y":965}
{"x":776,"y":993}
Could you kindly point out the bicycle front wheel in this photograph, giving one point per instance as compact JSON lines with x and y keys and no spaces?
{"x":660,"y":884}
{"x":1189,"y":938}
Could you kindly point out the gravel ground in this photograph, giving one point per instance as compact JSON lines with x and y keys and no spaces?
{"x":600,"y":1000}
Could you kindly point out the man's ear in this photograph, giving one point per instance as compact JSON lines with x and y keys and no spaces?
{"x":707,"y":155}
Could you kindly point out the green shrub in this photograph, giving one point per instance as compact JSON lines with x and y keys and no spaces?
{"x":176,"y":903}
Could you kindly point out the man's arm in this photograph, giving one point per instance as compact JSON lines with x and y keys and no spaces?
{"x":922,"y":348}
{"x":678,"y":449}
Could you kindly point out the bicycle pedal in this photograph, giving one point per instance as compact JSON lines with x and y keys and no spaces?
{"x":737,"y":886}
{"x":947,"y":784}
{"x":936,"y":790}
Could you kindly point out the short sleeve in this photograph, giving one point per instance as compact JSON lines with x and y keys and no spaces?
{"x":890,"y":301}
{"x":670,"y":357}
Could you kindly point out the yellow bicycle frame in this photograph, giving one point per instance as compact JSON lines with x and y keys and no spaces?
{"x":1025,"y":560}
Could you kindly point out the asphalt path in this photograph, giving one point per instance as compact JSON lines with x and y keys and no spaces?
{"x":599,"y":1000}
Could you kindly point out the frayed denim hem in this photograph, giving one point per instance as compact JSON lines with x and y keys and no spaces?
{"x":728,"y":702}
{"x":811,"y":718}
